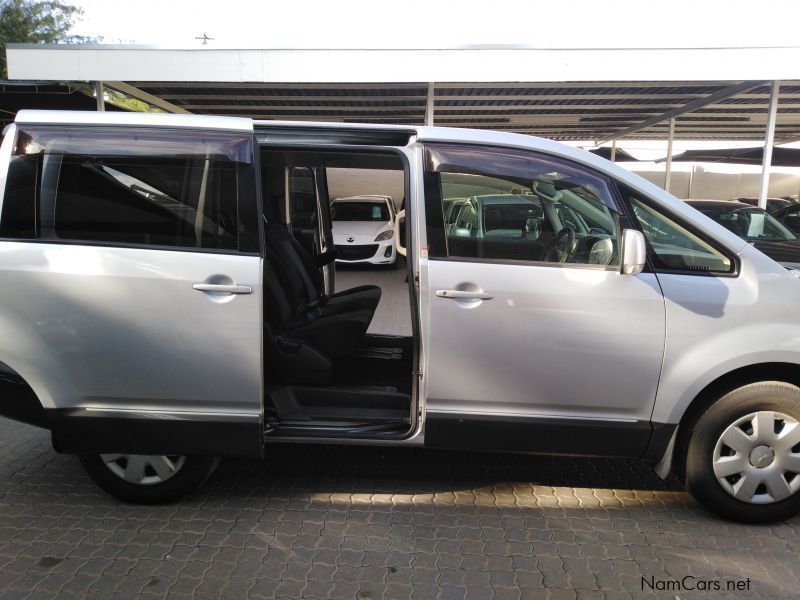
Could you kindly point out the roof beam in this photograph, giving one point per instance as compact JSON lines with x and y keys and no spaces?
{"x":654,"y":108}
{"x":453,"y":97}
{"x":667,"y":98}
{"x":726,"y":92}
{"x":135,"y":92}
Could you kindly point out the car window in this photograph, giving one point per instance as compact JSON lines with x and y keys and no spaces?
{"x":359,"y":211}
{"x":536,"y":209}
{"x":144,"y":187}
{"x":791,"y":219}
{"x":673,"y":247}
{"x":748,"y":222}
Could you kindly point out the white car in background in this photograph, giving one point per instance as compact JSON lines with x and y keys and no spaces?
{"x":364,"y":230}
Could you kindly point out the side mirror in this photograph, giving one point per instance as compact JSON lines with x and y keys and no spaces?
{"x":400,"y":228}
{"x":634,"y":252}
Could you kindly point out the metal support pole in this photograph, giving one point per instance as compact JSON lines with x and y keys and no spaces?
{"x":668,"y":173}
{"x":613,"y":150}
{"x":763,"y":191}
{"x":429,"y":105}
{"x":100,"y":94}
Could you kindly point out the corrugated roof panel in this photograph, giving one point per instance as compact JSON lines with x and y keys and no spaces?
{"x":562,"y":110}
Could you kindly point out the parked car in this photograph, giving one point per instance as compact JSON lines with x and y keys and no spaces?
{"x":773,"y":204}
{"x":157,"y":312}
{"x":761,"y":229}
{"x":789,"y":216}
{"x":364,"y":230}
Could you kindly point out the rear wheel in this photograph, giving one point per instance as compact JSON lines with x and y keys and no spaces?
{"x":148,"y":479}
{"x":743,"y":457}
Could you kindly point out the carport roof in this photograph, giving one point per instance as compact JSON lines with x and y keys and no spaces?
{"x":558,"y":110}
{"x":564,"y":94}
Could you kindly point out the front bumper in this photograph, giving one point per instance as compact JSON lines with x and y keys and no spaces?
{"x":379,"y":253}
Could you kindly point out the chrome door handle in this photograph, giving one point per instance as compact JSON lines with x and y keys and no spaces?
{"x":459,"y":294}
{"x":222,"y":288}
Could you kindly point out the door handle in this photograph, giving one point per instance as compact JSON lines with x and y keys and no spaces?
{"x":459,"y":294}
{"x":223,"y":288}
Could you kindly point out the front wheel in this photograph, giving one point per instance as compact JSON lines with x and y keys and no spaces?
{"x":148,"y":479}
{"x":743,"y":457}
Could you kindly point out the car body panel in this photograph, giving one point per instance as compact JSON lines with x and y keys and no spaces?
{"x":123,"y":328}
{"x":716,"y":325}
{"x":514,"y":354}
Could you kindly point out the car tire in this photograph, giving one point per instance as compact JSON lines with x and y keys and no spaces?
{"x":110,"y":472}
{"x":743,"y":455}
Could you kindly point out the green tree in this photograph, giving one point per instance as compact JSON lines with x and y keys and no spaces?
{"x":36,"y":22}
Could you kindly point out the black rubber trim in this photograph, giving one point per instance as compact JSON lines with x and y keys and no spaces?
{"x":572,"y":437}
{"x":81,"y":431}
{"x":19,"y":402}
{"x":271,"y":134}
{"x":662,"y":434}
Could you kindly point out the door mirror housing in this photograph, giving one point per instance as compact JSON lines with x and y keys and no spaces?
{"x":400,"y":227}
{"x":634,"y":252}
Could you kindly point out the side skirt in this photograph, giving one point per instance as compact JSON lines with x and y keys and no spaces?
{"x":89,"y":431}
{"x":575,"y":437}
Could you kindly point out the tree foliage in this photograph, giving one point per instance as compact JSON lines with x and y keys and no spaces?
{"x":36,"y":22}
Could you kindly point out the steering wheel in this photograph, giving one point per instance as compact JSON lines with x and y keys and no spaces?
{"x":560,"y":246}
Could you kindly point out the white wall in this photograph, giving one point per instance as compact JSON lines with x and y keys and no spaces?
{"x":717,"y":183}
{"x":356,"y":182}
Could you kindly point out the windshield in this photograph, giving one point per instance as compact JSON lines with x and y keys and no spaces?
{"x":359,"y":211}
{"x":750,"y":223}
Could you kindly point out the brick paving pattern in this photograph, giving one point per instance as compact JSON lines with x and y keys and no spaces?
{"x":373,"y":523}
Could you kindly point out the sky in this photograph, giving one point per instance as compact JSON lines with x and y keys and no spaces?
{"x":442,"y":24}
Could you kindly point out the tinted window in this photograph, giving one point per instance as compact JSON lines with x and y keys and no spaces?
{"x":791,"y":219}
{"x":512,"y":205}
{"x":302,"y":198}
{"x":673,"y":247}
{"x":141,"y":187}
{"x":19,"y":202}
{"x":359,"y":211}
{"x":748,"y":222}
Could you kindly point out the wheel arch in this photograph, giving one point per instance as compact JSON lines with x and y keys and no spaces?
{"x":767,"y":371}
{"x":18,"y":400}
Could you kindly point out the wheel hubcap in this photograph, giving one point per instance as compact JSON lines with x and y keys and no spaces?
{"x":143,"y":469}
{"x":761,"y":456}
{"x":757,"y":457}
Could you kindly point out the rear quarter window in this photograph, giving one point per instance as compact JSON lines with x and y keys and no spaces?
{"x":184,"y":189}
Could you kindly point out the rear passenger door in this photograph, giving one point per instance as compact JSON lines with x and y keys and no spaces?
{"x":131,"y":271}
{"x":535,"y":341}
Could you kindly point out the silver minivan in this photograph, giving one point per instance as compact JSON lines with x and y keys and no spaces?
{"x":159,"y":308}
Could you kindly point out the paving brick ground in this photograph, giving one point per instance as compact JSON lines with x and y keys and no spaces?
{"x":370,"y":523}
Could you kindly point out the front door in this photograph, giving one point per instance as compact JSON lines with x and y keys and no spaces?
{"x":535,"y":339}
{"x":139,"y":283}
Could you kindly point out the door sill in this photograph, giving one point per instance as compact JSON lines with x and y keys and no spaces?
{"x":339,"y":429}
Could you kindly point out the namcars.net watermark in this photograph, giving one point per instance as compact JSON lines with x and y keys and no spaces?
{"x":692,"y":583}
